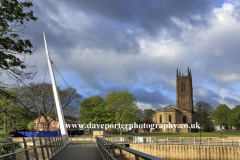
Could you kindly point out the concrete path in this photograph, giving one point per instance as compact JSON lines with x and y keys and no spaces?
{"x":83,"y":151}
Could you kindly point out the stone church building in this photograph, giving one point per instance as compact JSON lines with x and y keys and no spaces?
{"x":182,"y":113}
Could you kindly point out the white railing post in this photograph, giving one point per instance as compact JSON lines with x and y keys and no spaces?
{"x":208,"y":141}
{"x":223,"y":141}
{"x":194,"y":140}
{"x":167,"y":140}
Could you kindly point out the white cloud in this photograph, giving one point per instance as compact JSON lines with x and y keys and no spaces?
{"x":228,"y":77}
{"x":200,"y":92}
{"x":144,"y":106}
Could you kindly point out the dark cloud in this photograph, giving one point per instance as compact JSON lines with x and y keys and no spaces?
{"x":213,"y":94}
{"x":102,"y":46}
{"x":154,"y":98}
{"x":107,"y":37}
{"x":232,"y":101}
{"x":237,"y":12}
{"x":147,"y":15}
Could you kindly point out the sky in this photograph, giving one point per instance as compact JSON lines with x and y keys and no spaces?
{"x":101,"y":46}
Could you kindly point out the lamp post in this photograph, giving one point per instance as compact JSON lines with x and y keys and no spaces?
{"x":199,"y":108}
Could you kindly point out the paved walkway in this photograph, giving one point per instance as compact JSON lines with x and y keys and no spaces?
{"x":80,"y":151}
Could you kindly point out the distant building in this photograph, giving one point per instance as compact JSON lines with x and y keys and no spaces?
{"x":182,"y":113}
{"x":54,"y":124}
{"x":41,"y":124}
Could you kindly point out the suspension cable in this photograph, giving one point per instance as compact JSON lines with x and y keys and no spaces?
{"x":60,"y":74}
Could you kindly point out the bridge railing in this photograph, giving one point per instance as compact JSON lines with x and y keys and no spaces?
{"x":81,"y":139}
{"x":37,"y":148}
{"x":211,"y":141}
{"x":113,"y":151}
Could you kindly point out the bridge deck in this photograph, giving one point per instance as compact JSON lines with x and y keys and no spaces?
{"x":80,"y":151}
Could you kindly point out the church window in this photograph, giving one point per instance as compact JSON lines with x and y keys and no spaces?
{"x":184,"y":119}
{"x":183,"y":86}
{"x":160,"y":118}
{"x":170,"y":119}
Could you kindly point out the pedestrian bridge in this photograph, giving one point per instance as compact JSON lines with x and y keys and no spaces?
{"x":87,"y":147}
{"x":71,"y":148}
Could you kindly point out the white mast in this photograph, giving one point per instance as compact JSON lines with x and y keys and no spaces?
{"x":56,"y":95}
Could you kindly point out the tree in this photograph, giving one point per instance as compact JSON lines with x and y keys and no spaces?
{"x":221,"y":115}
{"x":13,"y":117}
{"x":12,"y":18}
{"x":203,"y":113}
{"x":4,"y":138}
{"x":139,"y":116}
{"x":148,"y":124}
{"x":40,"y":97}
{"x":92,"y":110}
{"x":147,"y":114}
{"x":235,"y":118}
{"x":30,"y":126}
{"x":124,"y":106}
{"x":238,"y":116}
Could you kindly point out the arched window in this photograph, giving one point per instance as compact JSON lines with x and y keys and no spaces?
{"x":183,"y":86}
{"x":170,"y":119}
{"x":160,"y":118}
{"x":184,"y":119}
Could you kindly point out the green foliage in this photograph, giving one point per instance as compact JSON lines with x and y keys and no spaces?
{"x":13,"y":117}
{"x":206,"y":128}
{"x":221,"y":115}
{"x":92,"y":110}
{"x":123,"y":105}
{"x":147,"y":114}
{"x":12,"y":19}
{"x":140,"y":116}
{"x":4,"y":138}
{"x":30,"y":126}
{"x":235,"y":116}
{"x":12,"y":16}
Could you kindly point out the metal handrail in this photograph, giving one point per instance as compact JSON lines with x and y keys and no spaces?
{"x":137,"y":154}
{"x":3,"y":144}
{"x":111,"y":156}
{"x":58,"y":141}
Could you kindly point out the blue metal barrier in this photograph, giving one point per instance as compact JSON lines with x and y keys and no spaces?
{"x":33,"y":134}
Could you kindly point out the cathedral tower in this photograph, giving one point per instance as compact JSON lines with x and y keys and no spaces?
{"x":184,"y":91}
